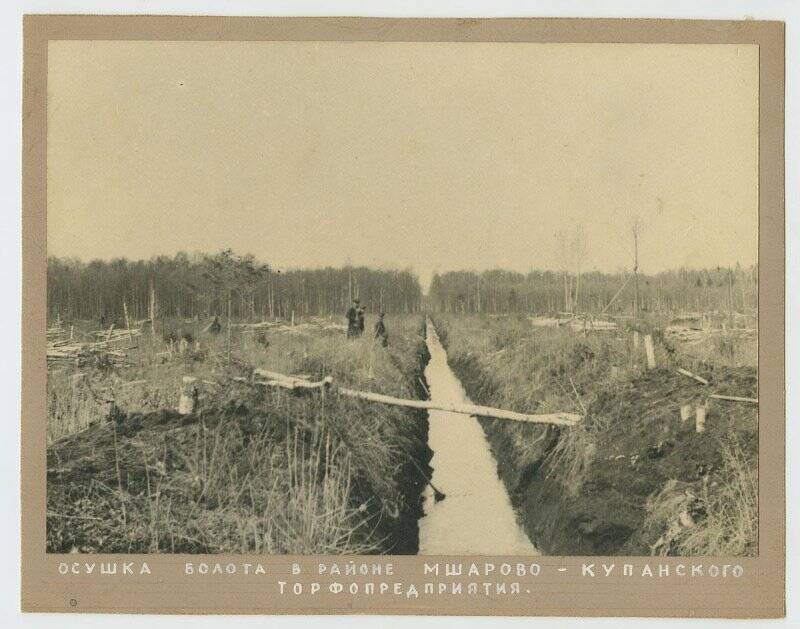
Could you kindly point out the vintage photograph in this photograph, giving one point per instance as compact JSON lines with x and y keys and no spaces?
{"x":370,"y":297}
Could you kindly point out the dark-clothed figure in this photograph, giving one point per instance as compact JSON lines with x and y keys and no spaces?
{"x":361,"y":317}
{"x":216,"y":326}
{"x":381,"y":335}
{"x":352,"y":320}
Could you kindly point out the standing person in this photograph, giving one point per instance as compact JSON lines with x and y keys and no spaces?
{"x":216,"y":326}
{"x":352,"y":320}
{"x":361,"y":317}
{"x":381,"y":334}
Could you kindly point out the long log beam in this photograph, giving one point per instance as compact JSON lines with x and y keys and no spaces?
{"x":279,"y":380}
{"x":560,"y":419}
{"x":734,"y":398}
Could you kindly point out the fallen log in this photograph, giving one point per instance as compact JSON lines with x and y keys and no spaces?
{"x":296,"y":383}
{"x":579,"y":324}
{"x":543,"y":322}
{"x":733,"y":398}
{"x":275,"y":379}
{"x":561,"y":419}
{"x":689,"y":374}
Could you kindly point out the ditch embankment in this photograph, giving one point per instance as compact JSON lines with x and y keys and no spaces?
{"x":251,"y":469}
{"x":633,"y":478}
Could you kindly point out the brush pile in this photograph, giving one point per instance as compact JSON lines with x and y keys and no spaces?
{"x":61,"y":350}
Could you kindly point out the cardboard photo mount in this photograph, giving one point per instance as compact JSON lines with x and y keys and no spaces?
{"x":167,"y":588}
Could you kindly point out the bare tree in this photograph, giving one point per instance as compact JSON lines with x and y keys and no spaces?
{"x":579,"y":247}
{"x":227,"y":273}
{"x":562,"y":254}
{"x":636,"y":230}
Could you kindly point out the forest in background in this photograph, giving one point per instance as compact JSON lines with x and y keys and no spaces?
{"x":205,"y":285}
{"x":720,"y":289}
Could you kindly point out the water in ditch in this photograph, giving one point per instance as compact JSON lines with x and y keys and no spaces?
{"x":476,"y":516}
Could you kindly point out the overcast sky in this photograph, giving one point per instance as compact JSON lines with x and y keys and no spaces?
{"x":433,"y":156}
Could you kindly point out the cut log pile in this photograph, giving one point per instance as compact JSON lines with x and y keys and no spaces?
{"x":81,"y":353}
{"x":544,"y":322}
{"x":61,"y":350}
{"x":55,"y":333}
{"x":691,"y":335}
{"x":578,"y":323}
{"x":591,"y":325}
{"x":111,"y":335}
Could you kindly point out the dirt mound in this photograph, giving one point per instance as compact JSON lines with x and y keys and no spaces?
{"x":250,"y":467}
{"x":602,"y":492}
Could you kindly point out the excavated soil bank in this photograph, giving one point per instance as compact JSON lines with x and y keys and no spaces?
{"x":142,"y":482}
{"x":632,"y":480}
{"x":415,"y":472}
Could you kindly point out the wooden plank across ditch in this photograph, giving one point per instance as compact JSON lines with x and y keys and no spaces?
{"x":561,"y":419}
{"x":274,"y":379}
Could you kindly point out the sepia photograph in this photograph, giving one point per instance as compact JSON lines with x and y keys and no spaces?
{"x":402,"y":298}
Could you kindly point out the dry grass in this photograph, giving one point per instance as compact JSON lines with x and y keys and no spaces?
{"x":506,"y":362}
{"x":730,"y":525}
{"x":545,"y":370}
{"x":255,"y":471}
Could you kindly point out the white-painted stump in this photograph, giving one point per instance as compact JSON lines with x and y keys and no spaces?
{"x":700,"y":418}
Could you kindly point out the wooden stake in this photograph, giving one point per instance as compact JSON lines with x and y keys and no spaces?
{"x":635,"y":340}
{"x":650,"y":351}
{"x":186,"y":403}
{"x":686,"y":412}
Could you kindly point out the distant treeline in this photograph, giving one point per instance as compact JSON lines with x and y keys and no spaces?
{"x":207,"y":285}
{"x":721,"y":289}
